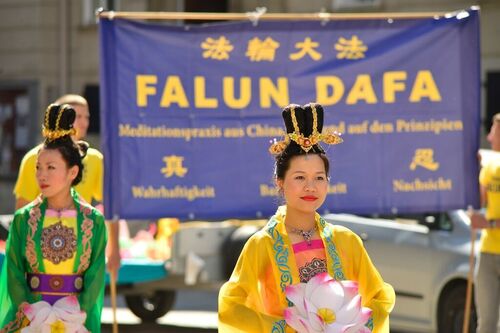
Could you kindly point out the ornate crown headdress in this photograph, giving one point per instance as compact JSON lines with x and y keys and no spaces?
{"x":304,"y":127}
{"x":55,"y":132}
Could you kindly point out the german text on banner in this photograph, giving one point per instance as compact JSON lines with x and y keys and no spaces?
{"x":188,"y":113}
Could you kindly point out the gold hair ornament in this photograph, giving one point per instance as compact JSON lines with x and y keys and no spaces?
{"x":57,"y":132}
{"x":306,"y":143}
{"x":277,"y":147}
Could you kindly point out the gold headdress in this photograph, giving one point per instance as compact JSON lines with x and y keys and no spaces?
{"x":55,"y":132}
{"x":304,"y":127}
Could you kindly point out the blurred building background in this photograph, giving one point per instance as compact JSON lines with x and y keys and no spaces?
{"x":50,"y":47}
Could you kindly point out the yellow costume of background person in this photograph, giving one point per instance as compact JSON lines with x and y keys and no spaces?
{"x":89,"y":188}
{"x":490,"y":178}
{"x":254,"y":300}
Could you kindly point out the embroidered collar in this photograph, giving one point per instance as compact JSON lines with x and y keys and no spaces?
{"x":36,"y":213}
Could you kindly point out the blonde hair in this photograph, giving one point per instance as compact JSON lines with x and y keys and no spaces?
{"x":496,"y":118}
{"x":72,"y":99}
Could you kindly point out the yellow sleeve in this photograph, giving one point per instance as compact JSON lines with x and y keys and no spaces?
{"x":242,"y":307}
{"x":375,"y":293}
{"x":90,"y":188}
{"x":99,"y":175}
{"x":485,"y":175}
{"x":26,"y":185}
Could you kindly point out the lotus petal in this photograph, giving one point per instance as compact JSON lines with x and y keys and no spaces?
{"x":363,"y":315}
{"x":334,"y":328}
{"x":295,"y":293}
{"x":39,"y":309}
{"x":64,"y":315}
{"x":351,"y":288}
{"x":310,"y":307}
{"x":77,"y":328}
{"x":349,"y":311}
{"x":43,"y":316}
{"x":316,"y":322}
{"x":302,"y":324}
{"x":308,"y":328}
{"x":356,"y":328}
{"x":46,"y":328}
{"x":324,"y":305}
{"x":328,"y":295}
{"x":68,"y":302}
{"x":315,"y":282}
{"x":292,"y":317}
{"x":70,"y":316}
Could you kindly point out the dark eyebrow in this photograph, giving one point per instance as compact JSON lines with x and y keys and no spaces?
{"x":300,"y":171}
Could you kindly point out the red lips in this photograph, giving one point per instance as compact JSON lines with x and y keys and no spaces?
{"x":309,"y":198}
{"x":43,"y":186}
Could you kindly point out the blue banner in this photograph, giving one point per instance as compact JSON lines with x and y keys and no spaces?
{"x":188,"y":113}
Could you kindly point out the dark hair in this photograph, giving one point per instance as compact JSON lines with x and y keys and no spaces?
{"x":300,"y":118}
{"x":282,"y":163}
{"x":58,"y":127}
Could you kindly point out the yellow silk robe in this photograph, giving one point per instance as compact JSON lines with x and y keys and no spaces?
{"x":254,"y":300}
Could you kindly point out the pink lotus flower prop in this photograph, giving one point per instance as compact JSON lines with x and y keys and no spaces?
{"x":324,"y":305}
{"x":64,"y":316}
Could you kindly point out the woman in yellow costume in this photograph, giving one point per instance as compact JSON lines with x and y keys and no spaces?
{"x":297,"y":244}
{"x":55,"y":249}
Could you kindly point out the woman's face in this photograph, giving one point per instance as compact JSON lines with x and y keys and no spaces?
{"x":52,"y":174}
{"x":82,"y":121}
{"x":494,"y":136}
{"x":305,"y":185}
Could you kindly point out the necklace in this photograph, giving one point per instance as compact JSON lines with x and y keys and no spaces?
{"x":306,"y":234}
{"x":60,"y":210}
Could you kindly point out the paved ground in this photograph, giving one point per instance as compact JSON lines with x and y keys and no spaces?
{"x":194,"y":311}
{"x":155,"y":328}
